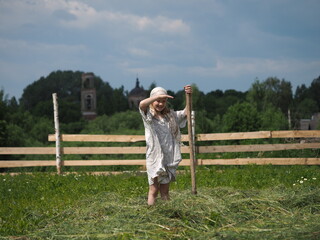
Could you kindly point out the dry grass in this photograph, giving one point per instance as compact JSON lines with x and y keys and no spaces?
{"x":252,"y":202}
{"x":219,"y":213}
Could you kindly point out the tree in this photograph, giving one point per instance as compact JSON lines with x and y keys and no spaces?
{"x":314,"y":91}
{"x":37,"y":97}
{"x":306,"y":108}
{"x":273,"y":119}
{"x":217,"y":102}
{"x":241,"y":117}
{"x":122,"y":122}
{"x":271,"y":91}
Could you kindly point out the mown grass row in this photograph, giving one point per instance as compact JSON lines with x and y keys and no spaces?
{"x":247,"y":202}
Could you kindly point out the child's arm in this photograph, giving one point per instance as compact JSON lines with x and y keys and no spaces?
{"x":188,"y":90}
{"x":144,"y":104}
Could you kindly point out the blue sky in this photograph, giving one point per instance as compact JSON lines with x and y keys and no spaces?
{"x":215,"y":44}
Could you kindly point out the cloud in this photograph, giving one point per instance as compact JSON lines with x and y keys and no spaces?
{"x":79,"y":15}
{"x":139,"y":52}
{"x":237,"y":67}
{"x":89,"y":17}
{"x":21,"y":50}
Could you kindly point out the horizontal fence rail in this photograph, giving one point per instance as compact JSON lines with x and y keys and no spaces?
{"x":308,"y":140}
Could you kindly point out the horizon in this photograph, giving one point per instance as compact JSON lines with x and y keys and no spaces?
{"x":6,"y":94}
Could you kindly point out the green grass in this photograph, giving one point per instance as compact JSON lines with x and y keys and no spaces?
{"x":245,"y":202}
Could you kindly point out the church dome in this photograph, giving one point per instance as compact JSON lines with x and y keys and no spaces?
{"x":138,"y":91}
{"x":136,"y":95}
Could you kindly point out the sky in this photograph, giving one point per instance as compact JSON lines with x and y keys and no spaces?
{"x":214,"y":44}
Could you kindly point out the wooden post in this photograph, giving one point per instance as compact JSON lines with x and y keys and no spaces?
{"x":191,"y":143}
{"x":57,"y":132}
{"x":193,"y":120}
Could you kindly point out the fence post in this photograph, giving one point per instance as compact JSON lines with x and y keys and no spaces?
{"x":57,"y":132}
{"x":191,"y":143}
{"x":193,"y":120}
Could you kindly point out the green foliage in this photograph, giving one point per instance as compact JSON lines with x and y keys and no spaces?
{"x":241,"y":117}
{"x":217,"y":102}
{"x":66,"y":84}
{"x":37,"y":97}
{"x":118,"y":123}
{"x":314,"y":90}
{"x":3,"y":133}
{"x":307,"y":107}
{"x":273,"y":119}
{"x":271,"y":91}
{"x":216,"y":111}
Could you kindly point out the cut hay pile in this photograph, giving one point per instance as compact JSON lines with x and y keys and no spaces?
{"x":215,"y":213}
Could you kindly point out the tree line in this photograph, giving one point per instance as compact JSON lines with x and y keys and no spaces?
{"x":268,"y":105}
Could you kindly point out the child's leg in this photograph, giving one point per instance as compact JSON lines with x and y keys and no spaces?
{"x":153,"y":192}
{"x":164,"y":191}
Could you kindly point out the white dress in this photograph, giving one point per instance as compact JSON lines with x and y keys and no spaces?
{"x":163,"y":149}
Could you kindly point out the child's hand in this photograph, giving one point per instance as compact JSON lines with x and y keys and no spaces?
{"x":163,"y":97}
{"x":188,"y":89}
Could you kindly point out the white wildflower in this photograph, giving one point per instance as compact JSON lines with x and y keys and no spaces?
{"x":314,"y":178}
{"x":305,"y":179}
{"x":301,"y":181}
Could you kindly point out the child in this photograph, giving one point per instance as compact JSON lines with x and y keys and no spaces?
{"x":163,"y":141}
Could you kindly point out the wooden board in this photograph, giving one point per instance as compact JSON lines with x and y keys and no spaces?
{"x":233,"y":136}
{"x":261,"y":161}
{"x":256,"y":147}
{"x":296,"y":134}
{"x":103,"y":138}
{"x":258,"y":135}
{"x":17,"y":163}
{"x":184,"y":162}
{"x":27,"y":150}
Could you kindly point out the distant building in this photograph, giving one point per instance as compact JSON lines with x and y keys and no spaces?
{"x":88,"y":97}
{"x":136,"y":95}
{"x":310,"y":124}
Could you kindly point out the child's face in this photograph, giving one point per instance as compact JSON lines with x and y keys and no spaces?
{"x":159,"y":105}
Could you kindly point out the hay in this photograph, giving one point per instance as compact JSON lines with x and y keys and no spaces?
{"x":218,"y":213}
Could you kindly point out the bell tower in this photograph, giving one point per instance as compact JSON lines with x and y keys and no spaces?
{"x":88,"y":97}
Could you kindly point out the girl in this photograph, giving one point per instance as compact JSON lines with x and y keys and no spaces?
{"x":163,"y":141}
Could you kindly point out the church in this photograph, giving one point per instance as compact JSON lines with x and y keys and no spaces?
{"x":89,"y":96}
{"x":136,"y":95}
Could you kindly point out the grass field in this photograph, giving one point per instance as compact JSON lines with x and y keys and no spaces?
{"x":247,"y":202}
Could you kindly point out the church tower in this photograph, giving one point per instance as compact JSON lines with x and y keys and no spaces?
{"x":136,"y":95}
{"x":88,"y":97}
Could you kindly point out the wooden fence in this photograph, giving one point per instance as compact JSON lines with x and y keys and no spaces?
{"x":210,"y":141}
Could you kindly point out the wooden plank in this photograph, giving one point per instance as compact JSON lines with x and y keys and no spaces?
{"x":200,"y":137}
{"x":21,"y":163}
{"x":98,"y":138}
{"x":296,"y":134}
{"x":76,"y":150}
{"x":27,"y":150}
{"x":261,"y":161}
{"x":258,"y":135}
{"x":104,"y":162}
{"x":17,"y":163}
{"x":39,"y":163}
{"x":103,"y":138}
{"x":233,"y":136}
{"x":184,"y":162}
{"x":104,"y":150}
{"x":110,"y":150}
{"x":256,"y":147}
